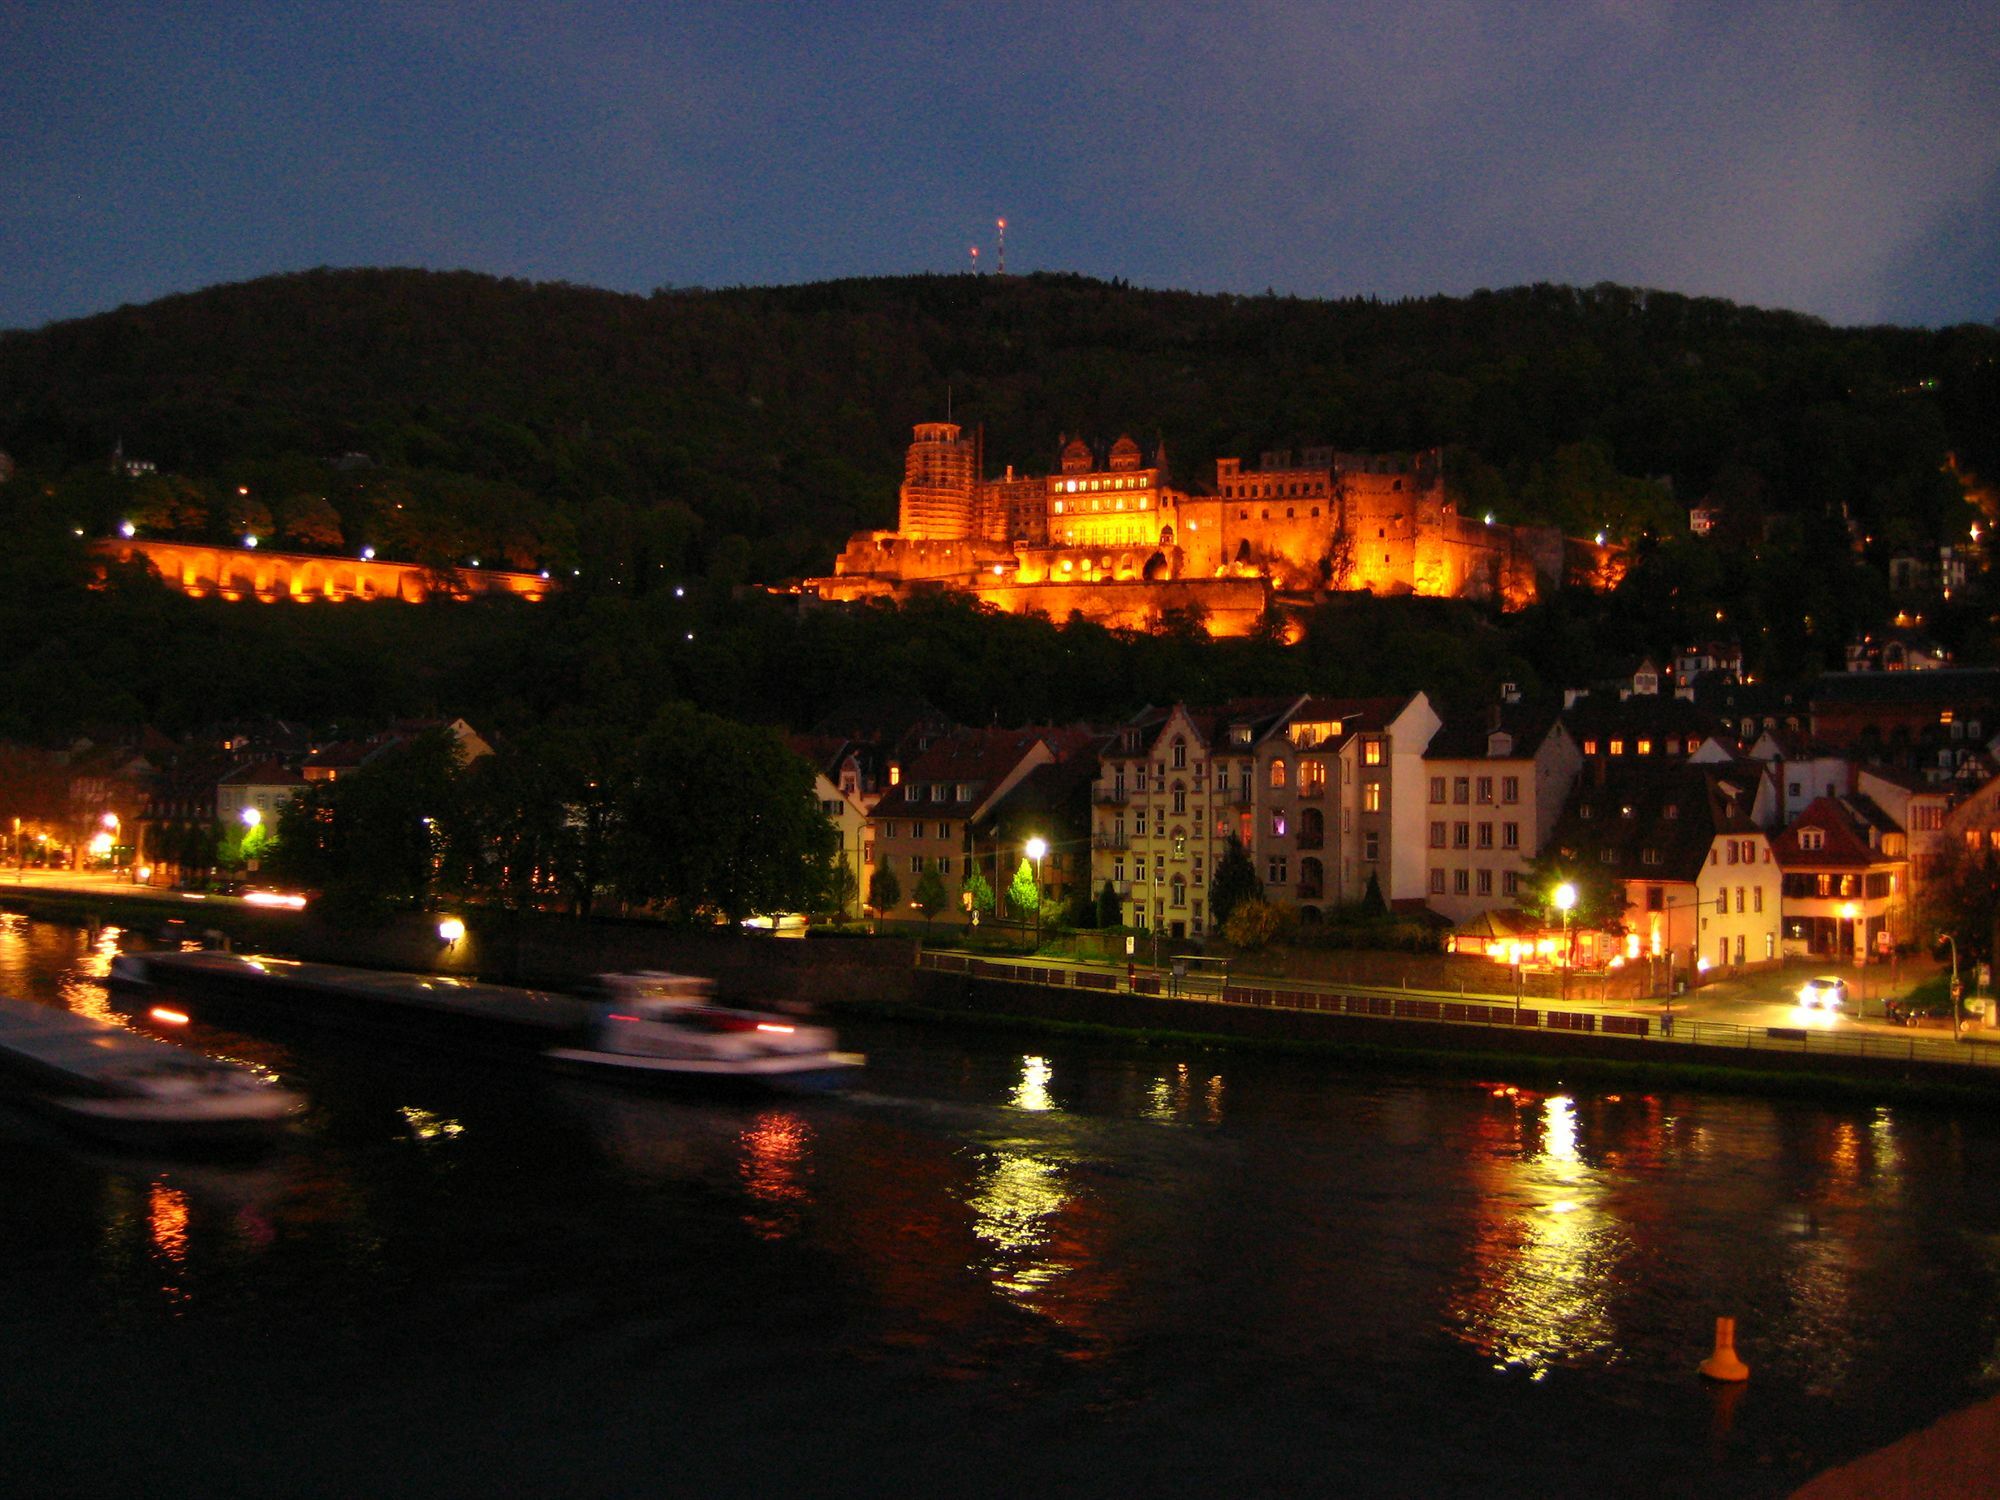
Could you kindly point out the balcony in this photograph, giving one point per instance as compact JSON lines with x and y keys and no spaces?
{"x":1110,"y":841}
{"x":1109,"y":796}
{"x":1311,"y":890}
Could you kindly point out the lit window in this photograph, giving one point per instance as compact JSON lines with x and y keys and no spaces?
{"x":1371,"y":753}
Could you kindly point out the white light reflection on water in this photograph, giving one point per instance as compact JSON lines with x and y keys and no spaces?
{"x":1180,"y":1096}
{"x":1015,"y":1198}
{"x":1032,"y":1092}
{"x":1546,"y":1248}
{"x":82,"y":988}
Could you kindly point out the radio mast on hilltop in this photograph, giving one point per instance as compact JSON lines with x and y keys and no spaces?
{"x":975,"y":260}
{"x":1002,"y":268}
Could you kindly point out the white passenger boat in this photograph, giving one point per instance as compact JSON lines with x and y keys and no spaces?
{"x":665,"y":1028}
{"x":135,"y":1089}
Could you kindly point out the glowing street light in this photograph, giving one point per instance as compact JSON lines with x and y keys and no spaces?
{"x":1565,"y":900}
{"x":251,"y":817}
{"x":1035,"y":848}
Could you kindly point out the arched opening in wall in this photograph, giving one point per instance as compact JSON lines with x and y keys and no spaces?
{"x":1156,"y":568}
{"x":1243,"y":550}
{"x":1166,"y":536}
{"x":1309,"y":916}
{"x":309,"y":582}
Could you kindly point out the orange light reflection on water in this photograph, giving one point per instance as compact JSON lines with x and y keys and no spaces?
{"x":775,"y":1165}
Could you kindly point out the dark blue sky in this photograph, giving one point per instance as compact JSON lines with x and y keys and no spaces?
{"x":1840,"y":159}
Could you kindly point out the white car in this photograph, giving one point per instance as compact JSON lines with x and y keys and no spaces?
{"x":1826,"y":992}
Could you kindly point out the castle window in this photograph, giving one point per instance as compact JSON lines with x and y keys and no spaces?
{"x":1243,"y":515}
{"x":1266,"y":515}
{"x":1290,"y":514}
{"x":1315,"y":510}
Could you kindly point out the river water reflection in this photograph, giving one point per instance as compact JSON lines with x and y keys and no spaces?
{"x":1001,"y":1266}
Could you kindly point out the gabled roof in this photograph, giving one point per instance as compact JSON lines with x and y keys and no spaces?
{"x":1466,"y":736}
{"x":266,"y":772}
{"x":1671,"y":808}
{"x":975,"y":760}
{"x":1910,"y":781}
{"x":1060,"y":789}
{"x":1662,"y":716}
{"x":1502,"y":922}
{"x":1845,"y":840}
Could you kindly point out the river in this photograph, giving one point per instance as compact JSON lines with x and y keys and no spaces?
{"x":1004,"y":1265}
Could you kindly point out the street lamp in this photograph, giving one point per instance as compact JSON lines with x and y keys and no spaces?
{"x":1565,"y":900}
{"x":1956,"y":988}
{"x":251,"y":817}
{"x":1036,"y":847}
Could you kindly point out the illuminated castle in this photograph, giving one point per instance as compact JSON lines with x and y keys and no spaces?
{"x":1110,"y":537}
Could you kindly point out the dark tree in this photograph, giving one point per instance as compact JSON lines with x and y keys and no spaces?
{"x":1235,"y":882}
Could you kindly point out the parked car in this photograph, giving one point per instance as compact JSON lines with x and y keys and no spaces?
{"x":1826,"y":992}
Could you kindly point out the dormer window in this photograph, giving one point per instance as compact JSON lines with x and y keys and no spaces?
{"x":1812,"y":838}
{"x":1180,"y":753}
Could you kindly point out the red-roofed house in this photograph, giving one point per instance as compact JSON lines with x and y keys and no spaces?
{"x":1844,"y":895}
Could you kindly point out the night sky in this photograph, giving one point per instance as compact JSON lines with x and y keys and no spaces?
{"x":1839,"y":159}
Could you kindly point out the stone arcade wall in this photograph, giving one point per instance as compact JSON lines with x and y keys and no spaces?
{"x":235,"y":573}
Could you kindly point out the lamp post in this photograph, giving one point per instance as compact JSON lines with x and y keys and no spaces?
{"x":1956,"y":988}
{"x":1035,"y":848}
{"x":1565,"y":899}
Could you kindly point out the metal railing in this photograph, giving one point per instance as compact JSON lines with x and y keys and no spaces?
{"x":1677,"y":1032}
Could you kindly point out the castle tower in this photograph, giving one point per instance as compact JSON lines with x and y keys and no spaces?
{"x":939,"y":476}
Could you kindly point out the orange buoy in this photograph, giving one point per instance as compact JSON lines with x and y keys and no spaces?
{"x":1723,"y":1363}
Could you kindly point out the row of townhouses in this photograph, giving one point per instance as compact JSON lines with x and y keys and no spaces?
{"x":1742,"y":829}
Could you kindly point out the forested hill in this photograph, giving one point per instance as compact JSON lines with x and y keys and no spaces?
{"x":745,"y":432}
